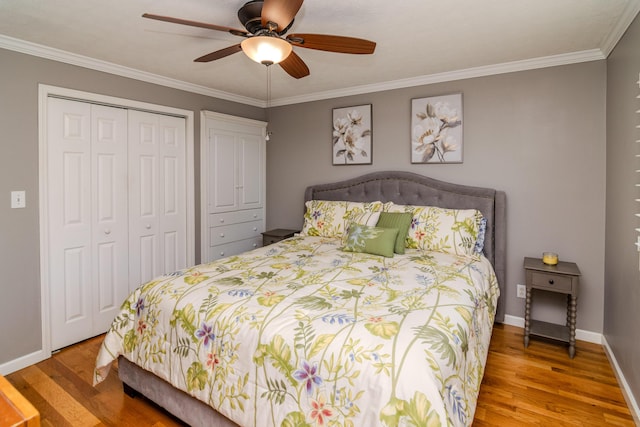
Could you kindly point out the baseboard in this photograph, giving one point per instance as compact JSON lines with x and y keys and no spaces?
{"x":626,"y":390}
{"x":581,"y":334}
{"x":22,"y":362}
{"x":514,"y":321}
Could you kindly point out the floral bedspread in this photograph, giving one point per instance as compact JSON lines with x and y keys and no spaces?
{"x":302,"y":333}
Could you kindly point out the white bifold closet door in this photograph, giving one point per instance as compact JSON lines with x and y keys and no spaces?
{"x":88,"y":215}
{"x":116,"y":210}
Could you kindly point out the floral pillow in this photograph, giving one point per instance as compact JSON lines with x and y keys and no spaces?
{"x":365,"y":218}
{"x":456,"y":231}
{"x":329,"y":218}
{"x":371,"y":240}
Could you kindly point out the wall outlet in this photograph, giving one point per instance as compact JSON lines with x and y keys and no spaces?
{"x":521,"y":291}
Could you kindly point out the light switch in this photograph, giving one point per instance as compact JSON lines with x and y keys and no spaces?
{"x":18,"y":199}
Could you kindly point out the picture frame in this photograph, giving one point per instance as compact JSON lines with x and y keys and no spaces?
{"x":352,"y":137}
{"x":437,"y":129}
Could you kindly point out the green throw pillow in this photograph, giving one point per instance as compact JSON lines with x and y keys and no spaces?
{"x":399,"y":220}
{"x":371,"y":240}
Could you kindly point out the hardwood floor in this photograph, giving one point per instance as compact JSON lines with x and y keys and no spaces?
{"x":540,"y":386}
{"x":543,"y":386}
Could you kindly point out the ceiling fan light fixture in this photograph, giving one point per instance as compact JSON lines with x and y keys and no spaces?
{"x":266,"y":50}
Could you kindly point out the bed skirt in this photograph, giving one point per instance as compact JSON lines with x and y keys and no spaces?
{"x":176,"y":402}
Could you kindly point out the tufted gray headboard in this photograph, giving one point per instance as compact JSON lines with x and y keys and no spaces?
{"x":409,"y":188}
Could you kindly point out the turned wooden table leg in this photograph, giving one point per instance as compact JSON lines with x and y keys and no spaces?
{"x":572,"y":327}
{"x":527,"y":318}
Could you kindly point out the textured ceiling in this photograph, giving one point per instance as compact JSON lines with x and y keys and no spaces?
{"x":415,"y":39}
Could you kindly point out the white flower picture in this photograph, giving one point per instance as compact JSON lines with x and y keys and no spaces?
{"x":436,"y":129}
{"x":351,"y":138}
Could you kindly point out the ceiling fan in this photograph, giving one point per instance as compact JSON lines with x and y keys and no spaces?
{"x":266,"y":22}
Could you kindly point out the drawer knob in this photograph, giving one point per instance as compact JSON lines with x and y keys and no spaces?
{"x":221,"y":219}
{"x":551,"y":281}
{"x":255,"y":215}
{"x":221,"y":234}
{"x":255,"y":245}
{"x":148,"y":226}
{"x":107,"y":231}
{"x":255,"y":229}
{"x":221,"y":253}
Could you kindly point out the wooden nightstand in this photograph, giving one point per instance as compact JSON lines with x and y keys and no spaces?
{"x":273,"y":236}
{"x":562,"y":278}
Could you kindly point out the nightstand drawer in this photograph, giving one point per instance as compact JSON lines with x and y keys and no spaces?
{"x":551,"y":281}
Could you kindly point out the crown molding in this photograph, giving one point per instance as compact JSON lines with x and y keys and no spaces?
{"x":626,"y":18}
{"x":489,"y":70}
{"x":58,"y":55}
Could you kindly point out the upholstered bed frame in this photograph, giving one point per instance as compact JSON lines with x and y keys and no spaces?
{"x":398,"y":187}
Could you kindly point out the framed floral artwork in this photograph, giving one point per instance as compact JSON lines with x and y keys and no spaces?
{"x":436,"y":129}
{"x":352,"y":136}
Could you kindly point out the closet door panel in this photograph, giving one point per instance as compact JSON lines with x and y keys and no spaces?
{"x":143,"y":197}
{"x":223,"y":177}
{"x":172,"y":198}
{"x":110,"y":261}
{"x":69,"y":220}
{"x":157,"y":195}
{"x":251,"y":171}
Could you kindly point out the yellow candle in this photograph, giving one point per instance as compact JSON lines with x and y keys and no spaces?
{"x":550,"y":258}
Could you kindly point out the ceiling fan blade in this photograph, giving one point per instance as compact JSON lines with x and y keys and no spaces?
{"x":195,"y":24}
{"x":280,"y":12}
{"x":219,"y":53}
{"x":331,"y":43}
{"x":295,"y":66}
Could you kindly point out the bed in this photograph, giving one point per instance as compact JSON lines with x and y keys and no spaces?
{"x":328,"y":327}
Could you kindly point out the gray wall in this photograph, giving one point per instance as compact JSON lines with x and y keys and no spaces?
{"x":622,"y":278}
{"x":538,"y":135}
{"x":20,"y":74}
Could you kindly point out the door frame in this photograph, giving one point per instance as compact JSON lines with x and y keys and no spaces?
{"x":46,"y":91}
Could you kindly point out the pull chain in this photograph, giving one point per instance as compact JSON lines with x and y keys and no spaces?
{"x":268,"y":135}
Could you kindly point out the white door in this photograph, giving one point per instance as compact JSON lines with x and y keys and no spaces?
{"x":235,"y":167}
{"x":250,"y":172}
{"x":222,"y":167}
{"x":87,"y":217}
{"x":110,"y":214}
{"x":157,"y":196}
